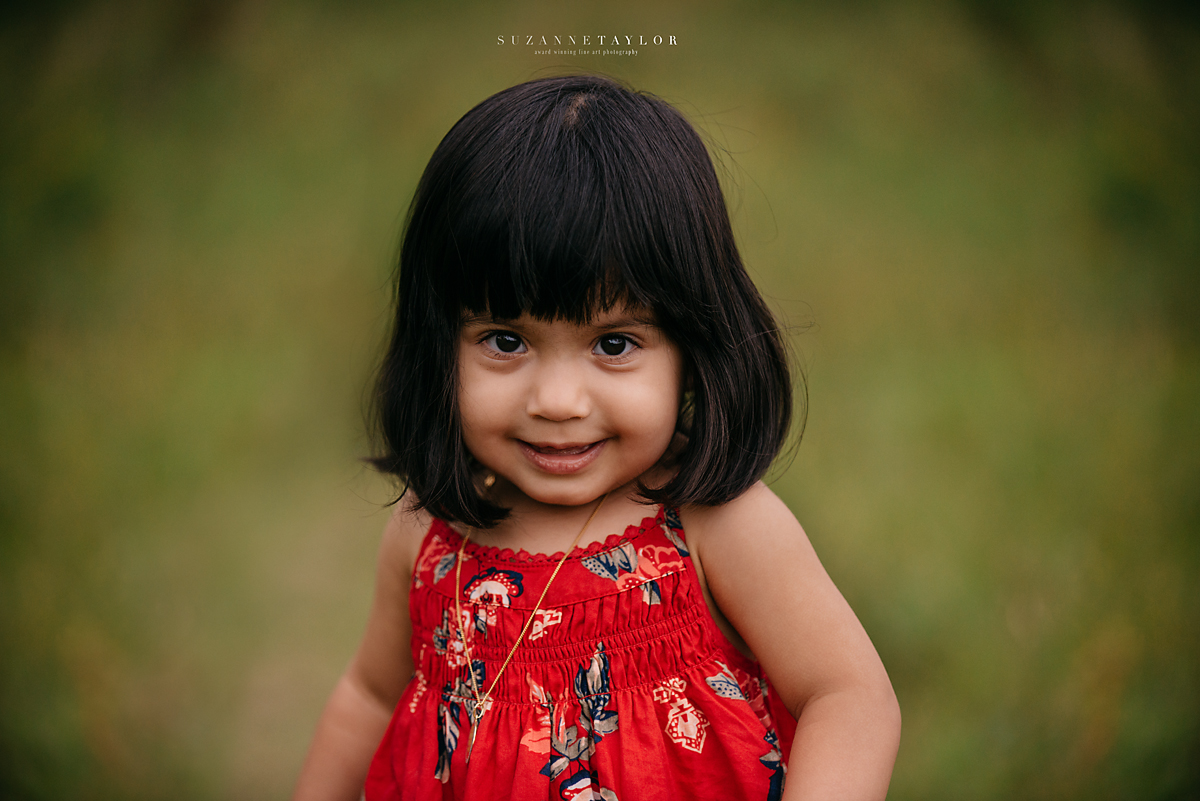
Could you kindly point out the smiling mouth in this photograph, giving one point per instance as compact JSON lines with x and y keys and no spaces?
{"x":561,"y":459}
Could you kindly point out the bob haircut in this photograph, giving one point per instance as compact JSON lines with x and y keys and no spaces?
{"x":557,"y":198}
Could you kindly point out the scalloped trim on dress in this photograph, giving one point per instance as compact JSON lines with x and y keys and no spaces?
{"x":609,"y":543}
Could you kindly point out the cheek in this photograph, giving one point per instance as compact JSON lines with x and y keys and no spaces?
{"x":479,"y":405}
{"x":469,"y":415}
{"x":652,"y":412}
{"x":481,"y":429}
{"x":490,"y":404}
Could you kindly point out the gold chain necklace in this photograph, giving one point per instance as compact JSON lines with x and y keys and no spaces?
{"x":481,"y":702}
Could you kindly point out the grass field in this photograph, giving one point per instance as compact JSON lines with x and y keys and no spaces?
{"x":980,"y":221}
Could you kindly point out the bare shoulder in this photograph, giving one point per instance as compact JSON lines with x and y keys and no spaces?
{"x":402,"y":536}
{"x":735,"y":548}
{"x":758,"y":510}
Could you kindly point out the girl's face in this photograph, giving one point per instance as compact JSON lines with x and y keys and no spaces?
{"x":568,"y":412}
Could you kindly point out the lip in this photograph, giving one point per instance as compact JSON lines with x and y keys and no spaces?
{"x":561,"y":458}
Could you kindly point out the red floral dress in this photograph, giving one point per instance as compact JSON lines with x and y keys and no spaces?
{"x":624,"y":688}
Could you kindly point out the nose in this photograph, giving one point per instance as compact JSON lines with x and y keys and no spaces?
{"x":559,"y":392}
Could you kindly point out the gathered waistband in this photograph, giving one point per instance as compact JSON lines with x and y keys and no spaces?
{"x":632,"y":657}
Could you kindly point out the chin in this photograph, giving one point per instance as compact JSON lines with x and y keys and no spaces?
{"x":566,"y":498}
{"x":565,"y":495}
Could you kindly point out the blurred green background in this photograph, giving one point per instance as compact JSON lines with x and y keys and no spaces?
{"x":980,"y":219}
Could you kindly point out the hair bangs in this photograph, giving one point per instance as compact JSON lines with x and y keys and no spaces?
{"x":578,"y":218}
{"x":538,"y":244}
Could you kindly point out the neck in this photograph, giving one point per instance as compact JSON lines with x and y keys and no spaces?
{"x":548,"y":529}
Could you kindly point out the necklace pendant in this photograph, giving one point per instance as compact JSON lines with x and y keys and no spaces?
{"x":475,"y":715}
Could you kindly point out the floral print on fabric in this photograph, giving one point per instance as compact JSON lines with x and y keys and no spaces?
{"x":620,"y":688}
{"x":494,"y":586}
{"x":773,"y":760}
{"x":537,"y":739}
{"x":449,"y":722}
{"x":582,"y":786}
{"x":631,"y":568}
{"x":686,"y":725}
{"x":570,"y":744}
{"x":421,"y":685}
{"x":612,"y":564}
{"x":434,"y":563}
{"x":489,"y":589}
{"x":673,"y":530}
{"x":725,"y":685}
{"x":543,"y":620}
{"x":457,"y":697}
{"x":447,"y":641}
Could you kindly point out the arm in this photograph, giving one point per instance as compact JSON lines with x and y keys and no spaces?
{"x":361,"y":705}
{"x":765,"y":578}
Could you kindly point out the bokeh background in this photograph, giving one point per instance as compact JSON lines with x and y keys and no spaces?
{"x":980,"y":220}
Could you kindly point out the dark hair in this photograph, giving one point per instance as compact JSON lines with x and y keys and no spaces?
{"x":556,"y":198}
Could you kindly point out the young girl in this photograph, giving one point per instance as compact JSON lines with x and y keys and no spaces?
{"x":586,"y":591}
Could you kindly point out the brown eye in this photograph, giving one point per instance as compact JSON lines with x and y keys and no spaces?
{"x":615,"y":345}
{"x":506,"y":342}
